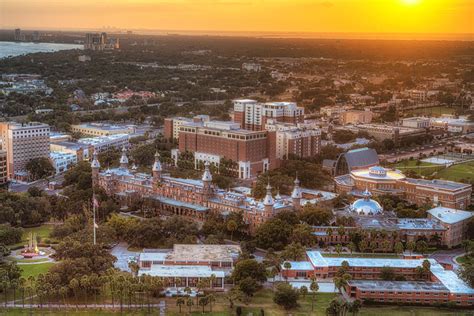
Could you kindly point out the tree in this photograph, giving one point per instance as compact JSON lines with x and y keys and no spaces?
{"x":411,"y":246}
{"x":286,"y":296}
{"x":249,"y":268}
{"x":338,"y":248}
{"x":180,"y":302}
{"x":189,"y":303}
{"x":203,"y":301}
{"x":286,"y":266}
{"x":387,"y":273}
{"x":211,"y":299}
{"x":352,"y":247}
{"x":466,"y":271}
{"x":314,"y":287}
{"x":294,"y":252}
{"x":421,"y":246}
{"x":231,"y":227}
{"x":39,"y":168}
{"x":248,"y":286}
{"x":304,"y":291}
{"x":273,"y":233}
{"x":398,"y":247}
{"x":235,"y":294}
{"x":354,"y":307}
{"x":303,"y":234}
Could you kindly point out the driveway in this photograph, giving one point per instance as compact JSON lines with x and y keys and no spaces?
{"x":122,"y":254}
{"x":447,"y":256}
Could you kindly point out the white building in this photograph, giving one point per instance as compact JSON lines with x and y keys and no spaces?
{"x":62,"y":161}
{"x":416,"y":122}
{"x":104,"y":143}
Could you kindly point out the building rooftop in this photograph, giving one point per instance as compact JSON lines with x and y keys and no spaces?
{"x":450,"y":215}
{"x":361,"y":157}
{"x":440,"y":184}
{"x":298,"y":265}
{"x":400,"y":286}
{"x":418,"y":223}
{"x":105,"y":126}
{"x":188,"y":252}
{"x":379,"y":173}
{"x":102,"y":139}
{"x":171,"y":271}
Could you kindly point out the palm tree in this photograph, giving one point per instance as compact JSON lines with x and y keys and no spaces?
{"x":287,"y":266}
{"x":180,"y":302}
{"x":63,"y":292}
{"x":85,"y":284}
{"x":314,"y":287}
{"x":211,"y":299}
{"x":74,"y":285}
{"x":22,"y":286}
{"x":212,"y":279}
{"x":351,"y":247}
{"x":203,"y":301}
{"x":354,"y":307}
{"x":231,"y":227}
{"x":5,"y":289}
{"x":189,"y":303}
{"x":14,"y":286}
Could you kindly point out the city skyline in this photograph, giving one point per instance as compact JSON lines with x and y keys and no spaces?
{"x":421,"y":17}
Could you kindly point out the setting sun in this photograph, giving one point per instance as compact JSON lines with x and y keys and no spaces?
{"x":410,"y":2}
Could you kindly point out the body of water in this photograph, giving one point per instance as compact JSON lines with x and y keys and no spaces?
{"x":10,"y":49}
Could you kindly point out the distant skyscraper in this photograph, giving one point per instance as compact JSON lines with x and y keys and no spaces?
{"x":96,"y":41}
{"x":17,"y":35}
{"x":36,"y":36}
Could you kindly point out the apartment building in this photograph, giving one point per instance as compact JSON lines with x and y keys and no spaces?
{"x":22,"y":143}
{"x":253,"y":115}
{"x":62,"y":161}
{"x":3,"y":167}
{"x":356,"y":117}
{"x":172,"y":125}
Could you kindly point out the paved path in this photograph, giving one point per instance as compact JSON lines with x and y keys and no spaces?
{"x":121,"y":252}
{"x":447,"y":256}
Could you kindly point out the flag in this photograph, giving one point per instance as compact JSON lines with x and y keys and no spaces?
{"x":96,"y":226}
{"x":95,"y":202}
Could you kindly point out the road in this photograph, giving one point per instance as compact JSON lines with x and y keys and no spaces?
{"x":447,"y":256}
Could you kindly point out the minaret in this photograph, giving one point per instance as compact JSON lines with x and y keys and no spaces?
{"x":268,"y":201}
{"x":124,"y":159}
{"x":296,"y":195}
{"x":206,"y":181}
{"x":95,"y":166}
{"x":156,"y":168}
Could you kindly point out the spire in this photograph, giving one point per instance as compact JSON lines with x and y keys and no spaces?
{"x":157,"y":163}
{"x":268,"y":200}
{"x":366,"y":194}
{"x":206,"y":176}
{"x":95,"y":162}
{"x":296,"y":194}
{"x":124,"y":158}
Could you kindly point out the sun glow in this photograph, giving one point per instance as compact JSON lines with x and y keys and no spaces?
{"x":410,"y":2}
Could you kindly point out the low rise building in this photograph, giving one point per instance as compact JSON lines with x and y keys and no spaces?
{"x":438,"y":285}
{"x":460,"y":125}
{"x":454,"y":221}
{"x":356,"y":117}
{"x":103,"y":129}
{"x":416,"y":122}
{"x":104,"y":143}
{"x":62,"y":161}
{"x":185,"y":265}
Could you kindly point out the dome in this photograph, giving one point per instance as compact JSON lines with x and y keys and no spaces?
{"x":377,"y":171}
{"x":366,"y":206}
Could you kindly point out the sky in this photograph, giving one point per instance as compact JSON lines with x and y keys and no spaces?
{"x":321,"y":16}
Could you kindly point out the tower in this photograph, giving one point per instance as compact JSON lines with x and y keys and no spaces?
{"x":296,"y":195}
{"x":156,"y":169}
{"x":206,"y":181}
{"x":95,"y":166}
{"x":124,"y":159}
{"x":268,"y":201}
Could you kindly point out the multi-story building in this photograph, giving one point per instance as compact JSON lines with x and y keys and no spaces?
{"x":382,"y":181}
{"x":23,"y":142}
{"x":104,"y":143}
{"x":437,"y":285}
{"x":96,"y":41}
{"x":298,"y":140}
{"x":17,"y":35}
{"x":460,"y":125}
{"x":81,"y":151}
{"x":454,"y":221}
{"x":194,"y":198}
{"x":3,"y":167}
{"x":396,"y":133}
{"x":212,"y":141}
{"x":103,"y":129}
{"x":253,"y":115}
{"x":416,"y":122}
{"x":185,"y":265}
{"x":356,"y":117}
{"x":172,"y":125}
{"x":62,"y":161}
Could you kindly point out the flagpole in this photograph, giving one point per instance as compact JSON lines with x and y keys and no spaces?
{"x":93,"y":211}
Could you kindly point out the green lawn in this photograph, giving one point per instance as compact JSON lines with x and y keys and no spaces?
{"x":462,"y":259}
{"x":35,"y":269}
{"x":422,"y":168}
{"x":433,"y":111}
{"x":42,"y":231}
{"x":457,"y":172}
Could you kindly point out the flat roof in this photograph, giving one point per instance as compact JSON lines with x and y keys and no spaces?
{"x":441,"y":184}
{"x":153,"y":256}
{"x":174,"y":202}
{"x":402,"y":286}
{"x":449,"y":215}
{"x":189,"y":252}
{"x":298,"y":265}
{"x":171,"y":271}
{"x":387,"y":175}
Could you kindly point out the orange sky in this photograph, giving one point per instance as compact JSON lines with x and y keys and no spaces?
{"x":360,"y":16}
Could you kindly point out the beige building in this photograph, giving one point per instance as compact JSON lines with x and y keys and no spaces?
{"x":3,"y":167}
{"x":357,"y":117}
{"x":101,"y":129}
{"x":23,"y":142}
{"x":455,"y":221}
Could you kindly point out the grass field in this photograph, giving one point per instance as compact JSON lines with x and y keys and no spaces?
{"x":423,"y":168}
{"x":42,"y":231}
{"x":457,"y":172}
{"x":35,"y":269}
{"x":433,"y":111}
